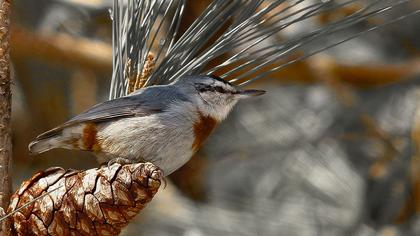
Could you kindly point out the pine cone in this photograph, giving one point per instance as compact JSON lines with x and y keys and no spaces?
{"x":92,"y":202}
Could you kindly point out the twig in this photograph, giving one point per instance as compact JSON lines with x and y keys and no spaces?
{"x":5,"y":107}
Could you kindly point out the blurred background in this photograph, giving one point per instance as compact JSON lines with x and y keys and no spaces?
{"x":331,"y":149}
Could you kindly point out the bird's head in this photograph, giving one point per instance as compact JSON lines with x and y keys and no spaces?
{"x":214,"y":96}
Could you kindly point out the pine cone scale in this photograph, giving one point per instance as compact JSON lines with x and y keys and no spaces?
{"x":93,"y":202}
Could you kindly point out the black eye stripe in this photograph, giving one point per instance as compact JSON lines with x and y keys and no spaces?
{"x":208,"y":88}
{"x":220,"y":89}
{"x":203,"y":87}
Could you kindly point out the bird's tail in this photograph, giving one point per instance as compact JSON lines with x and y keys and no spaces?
{"x":42,"y":145}
{"x":47,"y":141}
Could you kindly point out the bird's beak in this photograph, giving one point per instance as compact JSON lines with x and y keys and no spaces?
{"x":249,"y":93}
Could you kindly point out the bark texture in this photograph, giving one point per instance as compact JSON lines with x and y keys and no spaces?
{"x":98,"y":201}
{"x":5,"y":106}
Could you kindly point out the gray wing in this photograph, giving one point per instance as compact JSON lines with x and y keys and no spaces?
{"x":144,"y":102}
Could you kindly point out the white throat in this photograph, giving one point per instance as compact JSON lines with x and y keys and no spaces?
{"x":218,"y":112}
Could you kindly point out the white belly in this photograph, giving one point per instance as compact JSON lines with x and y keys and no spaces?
{"x":152,"y":139}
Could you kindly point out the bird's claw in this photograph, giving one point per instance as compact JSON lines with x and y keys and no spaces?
{"x":119,"y":160}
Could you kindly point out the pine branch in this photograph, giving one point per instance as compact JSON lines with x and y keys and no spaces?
{"x":234,"y":32}
{"x":98,"y":201}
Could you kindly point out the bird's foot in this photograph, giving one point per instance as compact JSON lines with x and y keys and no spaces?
{"x":164,"y":182}
{"x":119,"y":160}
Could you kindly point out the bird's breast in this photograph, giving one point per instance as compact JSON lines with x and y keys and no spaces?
{"x":202,"y":128}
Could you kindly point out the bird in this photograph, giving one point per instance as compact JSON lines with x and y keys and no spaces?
{"x":161,"y":124}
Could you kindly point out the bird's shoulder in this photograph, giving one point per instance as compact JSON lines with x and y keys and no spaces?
{"x":143,"y":102}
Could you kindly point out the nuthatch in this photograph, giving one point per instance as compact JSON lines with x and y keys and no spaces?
{"x":162,"y":124}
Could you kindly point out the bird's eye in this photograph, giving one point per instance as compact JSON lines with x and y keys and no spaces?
{"x":220,"y":89}
{"x":203,"y":87}
{"x":208,"y":88}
